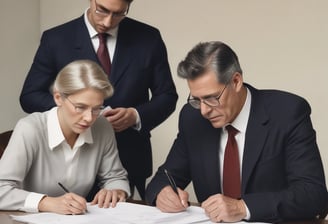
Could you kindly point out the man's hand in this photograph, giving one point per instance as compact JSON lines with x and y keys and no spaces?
{"x":67,"y":204}
{"x":121,"y":118}
{"x":108,"y":198}
{"x":168,"y":201}
{"x":220,"y":208}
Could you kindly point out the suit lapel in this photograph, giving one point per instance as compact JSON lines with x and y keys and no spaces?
{"x":83,"y":46}
{"x":256,"y":134}
{"x":210,"y":160}
{"x":122,"y":56}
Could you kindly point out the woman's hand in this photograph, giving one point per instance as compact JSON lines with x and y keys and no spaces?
{"x":108,"y":198}
{"x":67,"y":204}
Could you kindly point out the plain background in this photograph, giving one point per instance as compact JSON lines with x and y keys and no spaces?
{"x":282,"y":44}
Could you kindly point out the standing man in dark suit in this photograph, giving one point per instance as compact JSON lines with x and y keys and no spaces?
{"x":144,"y":92}
{"x":280,"y":171}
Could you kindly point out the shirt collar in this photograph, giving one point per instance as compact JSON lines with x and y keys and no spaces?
{"x":56,"y":136}
{"x":241,"y":120}
{"x":92,"y":32}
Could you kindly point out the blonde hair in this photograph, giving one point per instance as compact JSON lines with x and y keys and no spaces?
{"x":82,"y":74}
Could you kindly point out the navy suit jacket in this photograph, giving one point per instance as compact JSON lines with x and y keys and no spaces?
{"x":139,"y":66}
{"x":282,"y":172}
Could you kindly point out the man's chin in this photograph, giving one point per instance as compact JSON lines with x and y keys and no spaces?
{"x":217,"y":124}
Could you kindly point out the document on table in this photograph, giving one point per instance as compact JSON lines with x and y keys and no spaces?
{"x":123,"y":213}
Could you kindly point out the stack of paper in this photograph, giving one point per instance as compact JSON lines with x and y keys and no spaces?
{"x":123,"y":213}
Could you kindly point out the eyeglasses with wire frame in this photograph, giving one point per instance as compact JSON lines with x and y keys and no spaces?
{"x":212,"y":101}
{"x":81,"y":109}
{"x":104,"y":12}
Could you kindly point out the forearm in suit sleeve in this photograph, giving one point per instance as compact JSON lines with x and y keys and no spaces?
{"x":36,"y":94}
{"x":163,"y":91}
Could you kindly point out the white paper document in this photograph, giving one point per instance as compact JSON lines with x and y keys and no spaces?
{"x":123,"y":213}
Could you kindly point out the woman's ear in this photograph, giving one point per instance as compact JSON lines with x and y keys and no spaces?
{"x":58,"y":98}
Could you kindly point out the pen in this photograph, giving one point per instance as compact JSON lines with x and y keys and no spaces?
{"x":66,"y":190}
{"x":63,"y":187}
{"x":172,"y":182}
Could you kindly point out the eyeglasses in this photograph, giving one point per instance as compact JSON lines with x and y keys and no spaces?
{"x":102,"y":12}
{"x":212,"y":101}
{"x":81,"y":109}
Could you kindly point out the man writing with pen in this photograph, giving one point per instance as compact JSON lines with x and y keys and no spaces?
{"x":54,"y":157}
{"x":251,"y":154}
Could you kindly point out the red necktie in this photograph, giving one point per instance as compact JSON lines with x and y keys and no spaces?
{"x":102,"y":52}
{"x":231,"y":166}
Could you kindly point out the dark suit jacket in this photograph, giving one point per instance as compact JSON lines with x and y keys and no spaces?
{"x":282,"y":172}
{"x":139,"y":65}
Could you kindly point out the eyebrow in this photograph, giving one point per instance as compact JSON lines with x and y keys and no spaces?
{"x":103,"y":8}
{"x":206,"y":96}
{"x":85,"y":105}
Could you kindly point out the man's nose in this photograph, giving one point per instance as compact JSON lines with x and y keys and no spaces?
{"x":108,"y":20}
{"x":204,"y":108}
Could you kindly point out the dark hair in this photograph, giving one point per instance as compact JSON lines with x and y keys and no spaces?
{"x":215,"y":56}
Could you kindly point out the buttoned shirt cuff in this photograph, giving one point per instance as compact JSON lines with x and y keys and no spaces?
{"x":137,"y":126}
{"x":248,"y":214}
{"x":32,"y":202}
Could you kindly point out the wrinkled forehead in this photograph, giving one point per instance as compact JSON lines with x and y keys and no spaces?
{"x":204,"y":85}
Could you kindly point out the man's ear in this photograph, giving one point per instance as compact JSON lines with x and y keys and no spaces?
{"x":237,"y":81}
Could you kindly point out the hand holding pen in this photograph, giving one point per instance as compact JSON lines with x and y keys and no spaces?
{"x":172,"y":182}
{"x":69,"y":203}
{"x":171,"y":198}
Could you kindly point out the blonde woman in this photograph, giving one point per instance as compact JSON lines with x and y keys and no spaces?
{"x":69,"y":144}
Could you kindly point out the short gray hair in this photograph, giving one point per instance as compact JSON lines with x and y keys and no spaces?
{"x":215,"y":56}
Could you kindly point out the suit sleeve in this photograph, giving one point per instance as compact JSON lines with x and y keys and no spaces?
{"x":163,"y":92}
{"x":177,"y":163}
{"x":36,"y":94}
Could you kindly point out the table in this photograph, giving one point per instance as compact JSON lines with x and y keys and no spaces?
{"x":6,"y":219}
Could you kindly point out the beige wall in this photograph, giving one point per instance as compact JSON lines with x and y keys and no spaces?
{"x":19,"y":24}
{"x":281,"y":44}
